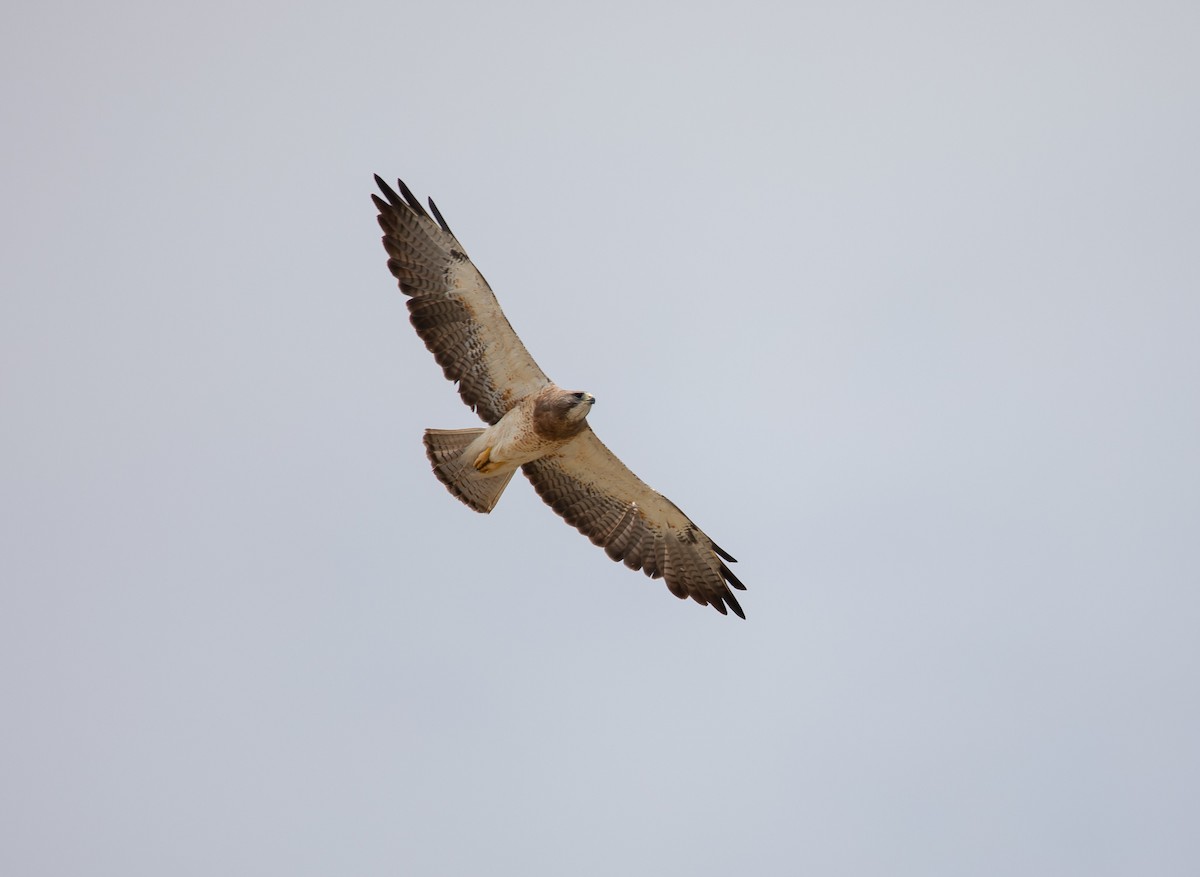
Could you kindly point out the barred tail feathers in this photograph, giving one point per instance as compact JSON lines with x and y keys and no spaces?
{"x":445,"y":448}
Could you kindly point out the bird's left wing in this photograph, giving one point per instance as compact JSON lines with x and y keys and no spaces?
{"x":452,"y":307}
{"x":596,"y":493}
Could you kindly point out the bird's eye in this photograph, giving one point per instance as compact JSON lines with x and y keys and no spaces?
{"x":577,"y":395}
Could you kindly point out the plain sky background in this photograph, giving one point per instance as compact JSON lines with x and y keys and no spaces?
{"x":899,"y":301}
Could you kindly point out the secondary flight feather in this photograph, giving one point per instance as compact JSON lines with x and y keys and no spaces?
{"x":532,"y":424}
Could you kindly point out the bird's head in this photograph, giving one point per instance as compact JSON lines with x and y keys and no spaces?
{"x":561,"y":413}
{"x":577,"y":404}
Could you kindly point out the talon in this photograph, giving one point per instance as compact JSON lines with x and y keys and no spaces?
{"x":485,"y":457}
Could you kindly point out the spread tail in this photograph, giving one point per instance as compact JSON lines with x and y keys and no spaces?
{"x":445,"y":447}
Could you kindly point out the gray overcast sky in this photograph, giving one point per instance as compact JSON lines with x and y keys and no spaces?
{"x":899,"y":302}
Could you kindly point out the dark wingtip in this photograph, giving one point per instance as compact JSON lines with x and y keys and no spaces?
{"x":735,"y":606}
{"x":727,"y":574}
{"x":393,"y":198}
{"x":721,"y":552}
{"x":411,"y":199}
{"x":438,"y":215}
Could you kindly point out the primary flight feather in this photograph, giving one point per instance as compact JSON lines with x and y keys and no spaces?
{"x":533,"y":424}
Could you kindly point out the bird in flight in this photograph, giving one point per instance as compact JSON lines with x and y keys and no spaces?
{"x":532,"y":424}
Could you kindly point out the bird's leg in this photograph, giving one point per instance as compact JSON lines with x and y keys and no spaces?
{"x":482,"y":461}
